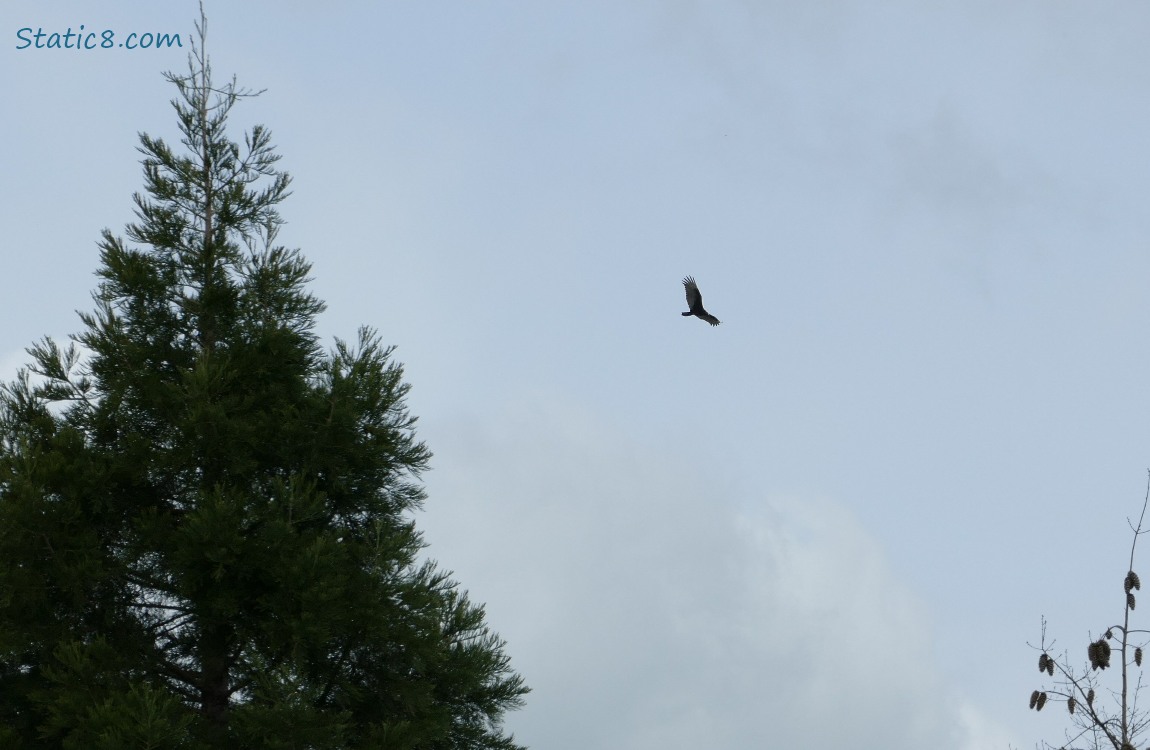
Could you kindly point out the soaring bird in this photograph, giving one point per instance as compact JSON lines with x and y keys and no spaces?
{"x":695,"y":302}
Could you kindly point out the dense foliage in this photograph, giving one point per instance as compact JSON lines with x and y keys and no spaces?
{"x":205,"y":519}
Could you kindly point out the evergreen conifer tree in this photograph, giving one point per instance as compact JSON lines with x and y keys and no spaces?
{"x":205,"y":532}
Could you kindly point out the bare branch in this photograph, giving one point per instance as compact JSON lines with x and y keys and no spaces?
{"x":1079,"y":689}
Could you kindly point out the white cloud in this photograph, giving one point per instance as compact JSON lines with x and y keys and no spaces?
{"x":646,"y":609}
{"x":981,"y":731}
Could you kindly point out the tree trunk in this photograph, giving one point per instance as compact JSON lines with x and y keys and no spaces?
{"x":215,"y":693}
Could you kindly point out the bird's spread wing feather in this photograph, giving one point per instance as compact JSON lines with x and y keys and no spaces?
{"x":694,"y":297}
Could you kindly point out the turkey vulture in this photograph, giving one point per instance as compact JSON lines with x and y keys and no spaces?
{"x":695,"y":302}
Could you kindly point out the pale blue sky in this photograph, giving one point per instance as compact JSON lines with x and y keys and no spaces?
{"x":835,"y":518}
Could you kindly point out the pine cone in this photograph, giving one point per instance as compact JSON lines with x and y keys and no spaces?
{"x":1050,"y":666}
{"x":1132,"y":582}
{"x":1070,"y":704}
{"x":1099,"y":653}
{"x":1138,"y":656}
{"x":1041,"y":701}
{"x":1042,"y":663}
{"x":1033,"y":698}
{"x":1130,"y":601}
{"x":1090,"y":698}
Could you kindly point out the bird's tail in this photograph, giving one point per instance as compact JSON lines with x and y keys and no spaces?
{"x":685,"y":314}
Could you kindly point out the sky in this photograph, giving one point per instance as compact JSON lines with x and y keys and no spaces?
{"x":840,"y":516}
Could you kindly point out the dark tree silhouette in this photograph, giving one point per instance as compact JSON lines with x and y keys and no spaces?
{"x":206,"y":520}
{"x":1102,"y":716}
{"x":695,"y":302}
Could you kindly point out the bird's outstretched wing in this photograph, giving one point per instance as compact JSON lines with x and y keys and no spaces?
{"x":694,"y":296}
